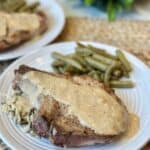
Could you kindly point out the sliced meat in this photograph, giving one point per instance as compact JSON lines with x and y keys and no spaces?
{"x":49,"y":108}
{"x":70,"y":140}
{"x":41,"y":126}
{"x":63,"y":127}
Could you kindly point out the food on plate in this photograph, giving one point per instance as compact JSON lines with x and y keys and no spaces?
{"x":16,"y":28}
{"x":97,"y":63}
{"x":69,"y":110}
{"x":18,"y":6}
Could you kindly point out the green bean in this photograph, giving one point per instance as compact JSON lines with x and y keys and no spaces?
{"x":124,"y":61}
{"x":102,"y":52}
{"x":96,"y":50}
{"x":67,"y":69}
{"x":124,"y":71}
{"x":80,"y":59}
{"x":56,"y":69}
{"x":2,"y":7}
{"x":126,"y":74}
{"x":68,"y":60}
{"x":21,"y":4}
{"x":114,"y":77}
{"x":70,"y":55}
{"x":103,"y":59}
{"x":96,"y":64}
{"x":95,"y":75}
{"x":102,"y":76}
{"x":83,"y":51}
{"x":6,"y":7}
{"x":88,"y":67}
{"x":61,"y":70}
{"x":92,"y":50}
{"x":117,"y":73}
{"x":80,"y":44}
{"x":58,"y":63}
{"x":71,"y":69}
{"x":23,"y":8}
{"x":20,"y":7}
{"x":121,"y":84}
{"x":33,"y":6}
{"x":108,"y":72}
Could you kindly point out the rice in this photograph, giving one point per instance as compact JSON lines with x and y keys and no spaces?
{"x":20,"y":111}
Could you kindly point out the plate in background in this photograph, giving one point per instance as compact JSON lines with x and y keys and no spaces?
{"x":56,"y":21}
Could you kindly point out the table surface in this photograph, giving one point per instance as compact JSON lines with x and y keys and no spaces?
{"x":74,"y":8}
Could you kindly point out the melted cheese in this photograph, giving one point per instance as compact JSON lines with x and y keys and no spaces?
{"x":93,"y":106}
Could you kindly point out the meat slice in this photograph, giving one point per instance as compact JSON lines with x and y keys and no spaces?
{"x":53,"y":122}
{"x":68,"y":131}
{"x":55,"y":119}
{"x":41,"y":126}
{"x":70,"y":140}
{"x":49,"y":108}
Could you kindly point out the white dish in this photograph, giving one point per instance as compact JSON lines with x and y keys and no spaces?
{"x":56,"y":21}
{"x":136,"y":100}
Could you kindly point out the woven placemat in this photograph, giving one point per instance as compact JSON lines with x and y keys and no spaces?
{"x":133,"y":36}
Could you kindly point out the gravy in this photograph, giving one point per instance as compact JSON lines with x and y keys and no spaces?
{"x":133,"y":127}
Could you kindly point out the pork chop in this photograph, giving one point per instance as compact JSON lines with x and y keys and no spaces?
{"x":75,"y":111}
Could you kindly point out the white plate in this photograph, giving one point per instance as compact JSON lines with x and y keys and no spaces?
{"x":136,"y":99}
{"x":56,"y":21}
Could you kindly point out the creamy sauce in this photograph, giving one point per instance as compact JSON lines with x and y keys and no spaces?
{"x":93,"y":106}
{"x":133,"y":127}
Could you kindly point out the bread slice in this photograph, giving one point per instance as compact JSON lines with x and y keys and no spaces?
{"x":16,"y":28}
{"x":73,"y":111}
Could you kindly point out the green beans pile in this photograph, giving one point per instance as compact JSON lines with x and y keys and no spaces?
{"x":17,"y":6}
{"x":97,"y":63}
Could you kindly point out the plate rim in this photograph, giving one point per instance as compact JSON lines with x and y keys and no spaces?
{"x":59,"y":43}
{"x":59,"y":30}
